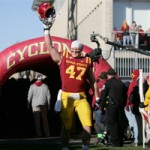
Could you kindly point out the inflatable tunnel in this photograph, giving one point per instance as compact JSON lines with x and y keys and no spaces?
{"x":33,"y":55}
{"x":16,"y":120}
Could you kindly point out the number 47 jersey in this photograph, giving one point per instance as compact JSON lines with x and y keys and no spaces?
{"x":74,"y":72}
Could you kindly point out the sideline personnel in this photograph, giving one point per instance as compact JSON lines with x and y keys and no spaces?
{"x":112,"y":99}
{"x":98,"y":114}
{"x":39,"y":98}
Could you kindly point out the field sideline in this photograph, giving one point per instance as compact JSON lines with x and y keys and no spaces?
{"x":53,"y":143}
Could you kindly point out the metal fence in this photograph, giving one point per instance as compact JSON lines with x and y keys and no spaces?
{"x":126,"y":61}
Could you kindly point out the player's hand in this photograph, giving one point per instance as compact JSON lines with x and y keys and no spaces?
{"x":48,"y":22}
{"x":47,"y":27}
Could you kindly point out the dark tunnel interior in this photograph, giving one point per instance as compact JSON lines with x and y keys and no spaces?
{"x":16,"y":120}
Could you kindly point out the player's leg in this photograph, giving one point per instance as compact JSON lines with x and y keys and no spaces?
{"x":83,"y":110}
{"x":66,"y":114}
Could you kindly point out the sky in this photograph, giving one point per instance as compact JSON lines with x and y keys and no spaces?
{"x":18,"y":22}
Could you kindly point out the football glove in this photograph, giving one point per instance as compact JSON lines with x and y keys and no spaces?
{"x":48,"y":22}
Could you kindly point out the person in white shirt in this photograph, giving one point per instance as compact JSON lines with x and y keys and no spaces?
{"x":39,"y":99}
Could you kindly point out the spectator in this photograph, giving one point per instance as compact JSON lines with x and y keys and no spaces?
{"x":39,"y":98}
{"x":75,"y":71}
{"x":141,"y":32}
{"x":117,"y":38}
{"x":125,"y":31}
{"x":133,"y":33}
{"x":142,"y":38}
{"x":112,"y":99}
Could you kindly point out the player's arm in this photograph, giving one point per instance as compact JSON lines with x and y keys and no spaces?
{"x":46,"y":13}
{"x":93,"y":83}
{"x":53,"y":51}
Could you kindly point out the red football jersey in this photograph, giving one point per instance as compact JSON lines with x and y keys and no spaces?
{"x":74,"y":72}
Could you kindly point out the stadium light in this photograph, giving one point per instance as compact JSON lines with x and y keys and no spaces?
{"x":37,"y":2}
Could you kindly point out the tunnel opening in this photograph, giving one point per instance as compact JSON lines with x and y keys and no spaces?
{"x":16,"y":120}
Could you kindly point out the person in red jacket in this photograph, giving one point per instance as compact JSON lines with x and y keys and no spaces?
{"x":125,"y":32}
{"x":141,"y":32}
{"x":117,"y":38}
{"x":129,"y":105}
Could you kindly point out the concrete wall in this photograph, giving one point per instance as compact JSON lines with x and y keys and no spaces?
{"x":92,"y":15}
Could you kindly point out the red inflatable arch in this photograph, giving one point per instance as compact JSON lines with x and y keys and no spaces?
{"x":32,"y":54}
